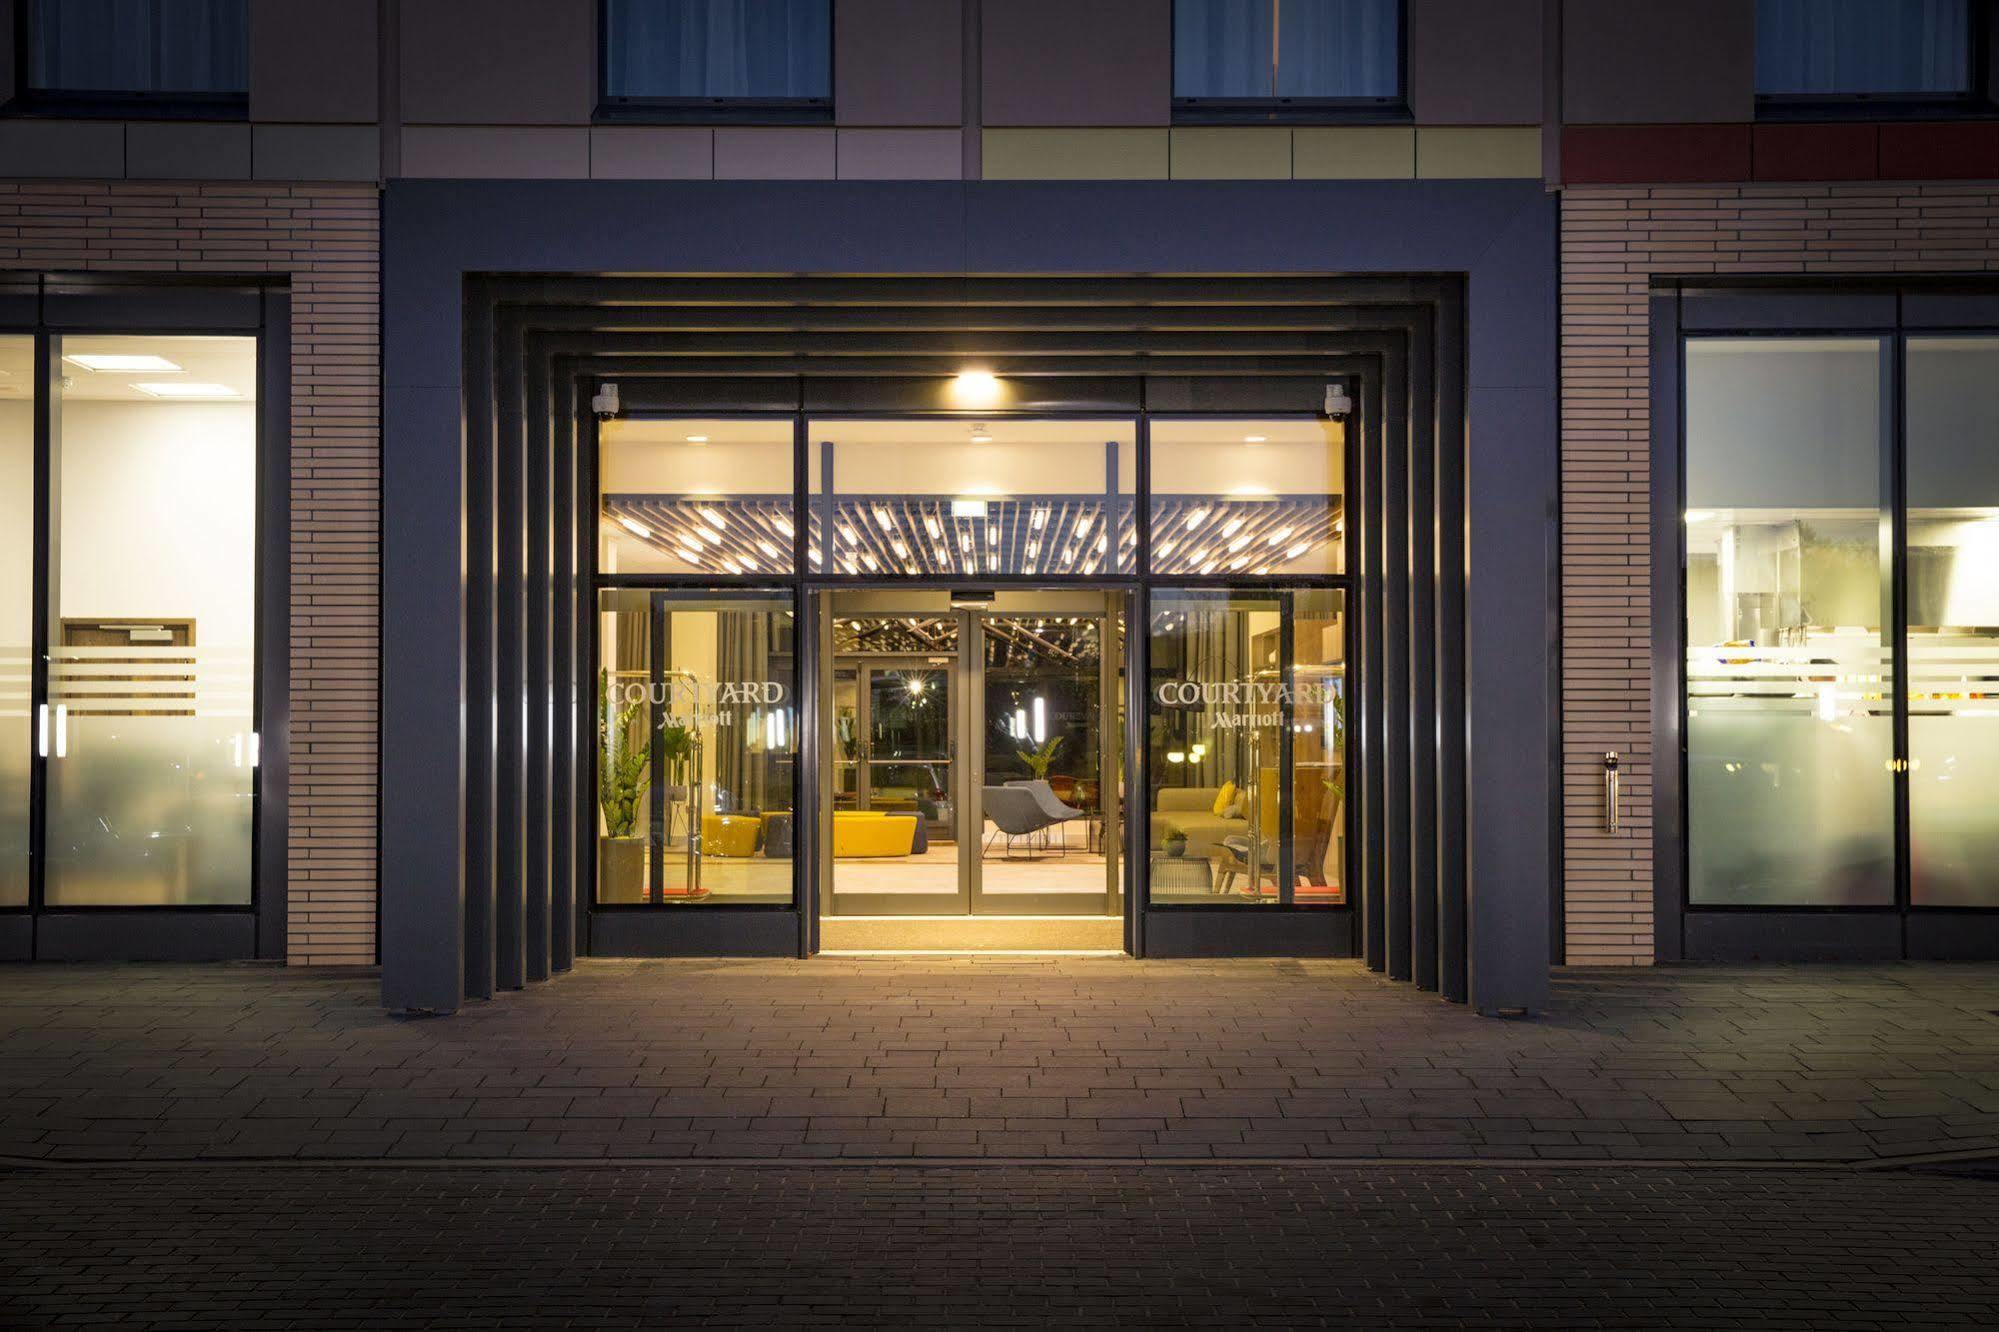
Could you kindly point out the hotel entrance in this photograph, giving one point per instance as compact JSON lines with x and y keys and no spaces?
{"x":972,"y":751}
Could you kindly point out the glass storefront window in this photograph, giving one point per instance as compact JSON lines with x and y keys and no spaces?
{"x":17,"y":611}
{"x":956,"y":498}
{"x":1236,"y":497}
{"x":1246,"y":733}
{"x":691,"y":496}
{"x":152,"y":621}
{"x":1789,"y":707}
{"x":1953,"y":601}
{"x":697,"y":740}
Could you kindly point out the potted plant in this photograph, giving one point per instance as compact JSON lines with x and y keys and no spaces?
{"x":623,"y":771}
{"x":1174,"y":843}
{"x":1041,"y":759}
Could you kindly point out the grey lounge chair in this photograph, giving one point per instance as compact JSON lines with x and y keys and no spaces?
{"x":1015,"y":813}
{"x":1051,"y":804}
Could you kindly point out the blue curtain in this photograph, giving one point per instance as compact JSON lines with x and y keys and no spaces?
{"x":140,"y":46}
{"x":718,"y":48}
{"x":1287,"y":48}
{"x":1848,"y":47}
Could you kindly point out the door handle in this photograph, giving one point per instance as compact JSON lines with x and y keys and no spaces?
{"x":61,"y":730}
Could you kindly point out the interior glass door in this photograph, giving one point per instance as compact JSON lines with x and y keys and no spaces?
{"x":17,"y":614}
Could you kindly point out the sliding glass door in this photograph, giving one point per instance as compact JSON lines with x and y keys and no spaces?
{"x":129,"y":748}
{"x":1842,"y":621}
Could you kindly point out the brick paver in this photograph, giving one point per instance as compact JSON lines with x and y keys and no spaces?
{"x":1018,"y":1246}
{"x":948,"y":1059}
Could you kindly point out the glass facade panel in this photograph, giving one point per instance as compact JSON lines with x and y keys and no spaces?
{"x":955,"y":498}
{"x":720,"y":50}
{"x":1246,"y":731}
{"x":694,"y":497}
{"x":1789,"y":731}
{"x":17,"y":611}
{"x":1863,"y":48}
{"x":1248,"y":497}
{"x":152,"y":620}
{"x":172,"y":48}
{"x":1953,"y":599}
{"x":697,"y":727}
{"x":1258,"y":50}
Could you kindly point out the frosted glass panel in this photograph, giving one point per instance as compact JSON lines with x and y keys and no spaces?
{"x":152,"y":619}
{"x":1789,"y":707}
{"x":17,"y":609}
{"x":1953,"y":480}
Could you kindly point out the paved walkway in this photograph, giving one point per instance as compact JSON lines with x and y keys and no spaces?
{"x":948,"y":1059}
{"x":1000,"y":1246}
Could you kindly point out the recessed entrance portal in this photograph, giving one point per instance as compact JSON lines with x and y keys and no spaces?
{"x":973,"y":761}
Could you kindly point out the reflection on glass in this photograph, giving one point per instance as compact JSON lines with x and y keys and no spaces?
{"x":1953,"y":488}
{"x":697,"y":746}
{"x":694,"y":497}
{"x":1236,"y":50}
{"x":152,"y":614}
{"x":1247,"y":497}
{"x":1851,"y":48}
{"x":957,"y":498}
{"x":17,"y":609}
{"x":1789,"y":715}
{"x":761,"y":50}
{"x":1246,"y":727}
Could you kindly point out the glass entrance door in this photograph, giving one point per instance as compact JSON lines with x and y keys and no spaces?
{"x":971,"y":767}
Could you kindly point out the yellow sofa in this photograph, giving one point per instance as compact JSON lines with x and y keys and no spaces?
{"x":731,"y":835}
{"x":1190,"y":810}
{"x":871,"y":832}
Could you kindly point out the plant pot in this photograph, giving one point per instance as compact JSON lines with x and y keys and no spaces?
{"x":1175,"y":845}
{"x":621,"y":869}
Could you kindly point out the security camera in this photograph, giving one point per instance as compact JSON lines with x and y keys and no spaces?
{"x":1338,"y":405}
{"x":605,"y":404}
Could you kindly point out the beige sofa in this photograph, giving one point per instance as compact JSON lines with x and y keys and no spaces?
{"x":1191,"y":810}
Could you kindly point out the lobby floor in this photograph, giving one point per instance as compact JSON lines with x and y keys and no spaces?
{"x":964,"y":1058}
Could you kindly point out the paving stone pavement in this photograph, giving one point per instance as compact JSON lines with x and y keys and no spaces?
{"x":946,"y":1059}
{"x":385,"y":1246}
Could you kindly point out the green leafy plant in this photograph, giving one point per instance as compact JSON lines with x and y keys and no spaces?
{"x":627,"y":765}
{"x":1041,"y":759}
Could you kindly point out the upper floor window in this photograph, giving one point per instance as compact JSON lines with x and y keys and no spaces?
{"x":1872,"y":50}
{"x":138,"y":55}
{"x":1269,"y":59}
{"x":695,"y":59}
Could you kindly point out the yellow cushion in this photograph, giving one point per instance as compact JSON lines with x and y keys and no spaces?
{"x":1223,"y":799}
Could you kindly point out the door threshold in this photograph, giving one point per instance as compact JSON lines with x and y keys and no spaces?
{"x":970,"y":952}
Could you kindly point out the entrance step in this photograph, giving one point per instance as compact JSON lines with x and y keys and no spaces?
{"x":971,"y":934}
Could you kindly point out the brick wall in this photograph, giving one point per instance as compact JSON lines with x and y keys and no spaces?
{"x":1614,"y":240}
{"x":326,"y":239}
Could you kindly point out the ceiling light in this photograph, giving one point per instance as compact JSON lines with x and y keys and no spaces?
{"x":129,"y":363}
{"x":1083,"y":522}
{"x":1231,"y":527}
{"x":697,"y":439}
{"x":690,"y":556}
{"x":870,"y":560}
{"x":1277,"y":538}
{"x":992,"y":534}
{"x":814,"y":555}
{"x":767,"y":549}
{"x":1297,"y":550}
{"x":1253,"y":439}
{"x":707,"y":536}
{"x":174,"y":388}
{"x":1196,"y":518}
{"x":1699,"y":515}
{"x":975,"y":388}
{"x":968,"y":508}
{"x":714,"y":520}
{"x":847,"y":535}
{"x":931,"y":525}
{"x":1039,"y":519}
{"x":784,"y":526}
{"x":900,"y":547}
{"x":884,"y":519}
{"x":639,"y":530}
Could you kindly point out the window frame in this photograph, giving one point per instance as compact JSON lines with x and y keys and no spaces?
{"x":1298,"y":110}
{"x":110,"y":104}
{"x":623,"y":110}
{"x":1973,"y":103}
